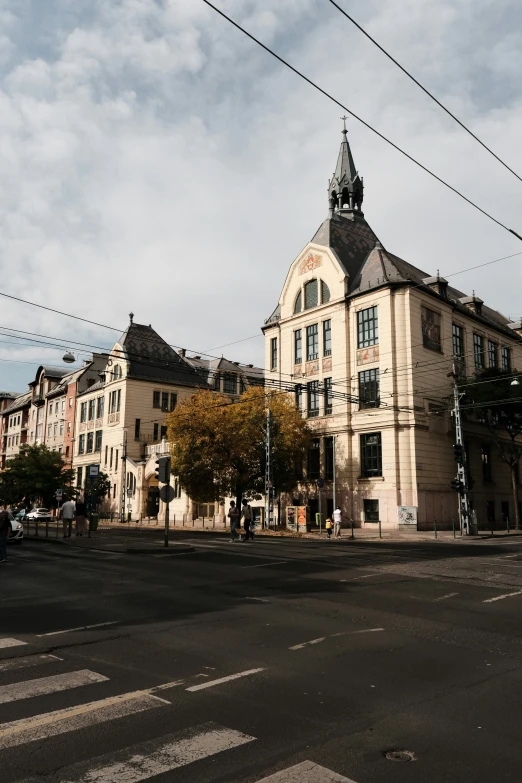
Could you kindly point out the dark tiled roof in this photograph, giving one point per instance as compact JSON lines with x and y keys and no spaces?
{"x":151,"y":358}
{"x":19,"y":403}
{"x":350,"y":238}
{"x":208,"y":368}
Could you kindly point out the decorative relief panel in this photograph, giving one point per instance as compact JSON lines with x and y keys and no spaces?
{"x":83,"y":426}
{"x":311,"y":368}
{"x":90,"y":425}
{"x":311,"y":262}
{"x":99,"y":423}
{"x":327,"y":364}
{"x":298,"y":371}
{"x":114,"y":418}
{"x":368,"y":355}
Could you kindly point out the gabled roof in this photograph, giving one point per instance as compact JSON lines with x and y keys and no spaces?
{"x":151,"y":358}
{"x":208,"y":368}
{"x":350,"y":238}
{"x":20,"y":402}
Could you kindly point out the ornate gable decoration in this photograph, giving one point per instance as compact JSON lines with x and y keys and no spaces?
{"x":312,"y":261}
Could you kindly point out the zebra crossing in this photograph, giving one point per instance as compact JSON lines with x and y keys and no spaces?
{"x":141,"y":761}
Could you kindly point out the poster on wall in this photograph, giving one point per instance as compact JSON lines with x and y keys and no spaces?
{"x":430,"y":329}
{"x":407,"y":516}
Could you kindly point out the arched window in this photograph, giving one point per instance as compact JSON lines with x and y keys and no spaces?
{"x":298,"y":306}
{"x":117,"y":373}
{"x":325,"y":293}
{"x":311,"y":291}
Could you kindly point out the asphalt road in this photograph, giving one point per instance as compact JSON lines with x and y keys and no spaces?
{"x":284,"y":661}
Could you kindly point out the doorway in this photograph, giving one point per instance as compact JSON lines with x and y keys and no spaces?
{"x":153,"y":500}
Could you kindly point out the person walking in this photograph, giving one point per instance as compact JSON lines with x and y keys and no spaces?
{"x":5,"y":532}
{"x":337,"y":519}
{"x":81,"y":521}
{"x":233,"y":515}
{"x":328,"y":526}
{"x":68,"y":512}
{"x":247,"y":521}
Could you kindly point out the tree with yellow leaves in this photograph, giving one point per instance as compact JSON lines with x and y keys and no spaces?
{"x":218,"y":445}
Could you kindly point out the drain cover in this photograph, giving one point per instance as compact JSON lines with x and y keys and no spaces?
{"x":399,"y":755}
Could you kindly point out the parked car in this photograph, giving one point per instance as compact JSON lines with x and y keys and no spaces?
{"x":17,"y":531}
{"x":21,"y":515}
{"x":38,"y":513}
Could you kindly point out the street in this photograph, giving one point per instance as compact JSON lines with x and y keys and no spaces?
{"x":280,"y":661}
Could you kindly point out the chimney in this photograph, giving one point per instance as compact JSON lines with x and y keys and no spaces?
{"x":182,"y":352}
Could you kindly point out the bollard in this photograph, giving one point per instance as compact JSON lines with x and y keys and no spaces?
{"x":435,"y":527}
{"x":453,"y":527}
{"x":353,"y":535}
{"x":380,"y":531}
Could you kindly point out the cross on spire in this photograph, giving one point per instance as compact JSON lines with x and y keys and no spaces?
{"x":344,"y":121}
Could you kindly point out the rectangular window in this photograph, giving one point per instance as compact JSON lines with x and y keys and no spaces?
{"x":81,"y":445}
{"x":230,"y":384}
{"x":430,"y":321}
{"x":70,"y":402}
{"x":273,"y":353}
{"x":327,"y":338}
{"x":55,"y":429}
{"x":63,"y":405}
{"x":83,"y":412}
{"x":217,"y":382}
{"x":50,"y":409}
{"x":492,"y":354}
{"x":298,"y":347}
{"x":314,"y":460}
{"x":173,"y":401}
{"x":110,"y":463}
{"x":137,"y":425}
{"x":312,"y":342}
{"x":367,"y":327}
{"x":67,"y":451}
{"x":328,"y":459}
{"x":504,"y":508}
{"x":490,"y":510}
{"x":48,"y":430}
{"x":506,"y":360}
{"x":106,"y":454}
{"x":299,"y":397}
{"x":163,"y":432}
{"x":116,"y":453}
{"x":98,"y":440}
{"x":90,"y":442}
{"x":478,"y":351}
{"x":100,"y":407}
{"x":118,"y":405}
{"x":79,"y":476}
{"x":369,"y":389}
{"x":327,"y":396}
{"x":486,"y":463}
{"x":156,"y":432}
{"x":114,"y":490}
{"x":61,"y":428}
{"x":371,"y":455}
{"x":458,"y":341}
{"x":313,"y":398}
{"x":156,"y":399}
{"x":371,"y":510}
{"x":92,"y":409}
{"x":165,"y":401}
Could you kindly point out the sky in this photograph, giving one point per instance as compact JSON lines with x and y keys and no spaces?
{"x":154,"y":160}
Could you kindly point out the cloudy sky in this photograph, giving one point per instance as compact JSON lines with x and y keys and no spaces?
{"x":153,"y":159}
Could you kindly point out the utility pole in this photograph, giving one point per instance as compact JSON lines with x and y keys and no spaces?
{"x":462,"y":481}
{"x":123,"y":477}
{"x":268,"y":469}
{"x":167,"y":504}
{"x":334,"y":472}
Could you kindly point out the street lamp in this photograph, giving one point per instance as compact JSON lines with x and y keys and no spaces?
{"x":515,"y":382}
{"x":69,"y":358}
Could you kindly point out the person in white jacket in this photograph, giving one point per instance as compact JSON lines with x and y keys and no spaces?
{"x":337,"y":519}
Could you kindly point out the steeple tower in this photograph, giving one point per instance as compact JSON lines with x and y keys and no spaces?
{"x":345,"y":189}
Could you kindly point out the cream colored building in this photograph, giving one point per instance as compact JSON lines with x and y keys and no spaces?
{"x":368,"y":339}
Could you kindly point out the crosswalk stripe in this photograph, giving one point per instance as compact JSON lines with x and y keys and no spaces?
{"x":44,"y":685}
{"x":154,"y":757}
{"x":10,"y":643}
{"x":306,"y":772}
{"x":51,"y":724}
{"x":23,"y":663}
{"x":211,"y":683}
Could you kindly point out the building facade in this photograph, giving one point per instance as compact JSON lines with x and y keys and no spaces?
{"x":369,"y":342}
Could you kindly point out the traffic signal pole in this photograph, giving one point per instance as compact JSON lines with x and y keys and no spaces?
{"x":167,"y":506}
{"x":162,"y":473}
{"x":464,"y":517}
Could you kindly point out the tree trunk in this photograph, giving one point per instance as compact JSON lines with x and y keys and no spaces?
{"x":515,"y":495}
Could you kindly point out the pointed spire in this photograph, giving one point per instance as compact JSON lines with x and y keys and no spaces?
{"x":345,"y":190}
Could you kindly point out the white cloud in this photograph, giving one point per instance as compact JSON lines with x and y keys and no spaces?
{"x":152,"y":158}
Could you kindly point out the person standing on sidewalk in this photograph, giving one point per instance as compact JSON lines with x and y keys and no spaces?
{"x":337,"y":519}
{"x":233,"y":515}
{"x":81,"y":522}
{"x":5,"y":532}
{"x":68,"y":512}
{"x":247,"y":521}
{"x":328,"y":527}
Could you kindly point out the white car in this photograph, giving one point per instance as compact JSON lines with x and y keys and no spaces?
{"x":38,"y":513}
{"x":17,"y":531}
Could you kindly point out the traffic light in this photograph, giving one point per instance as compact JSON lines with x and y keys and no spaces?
{"x":458,"y":485}
{"x":458,"y":450}
{"x":162,"y":472}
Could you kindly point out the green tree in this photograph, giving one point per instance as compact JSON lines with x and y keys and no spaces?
{"x":34,"y":475}
{"x":218,"y":447}
{"x":500,"y":404}
{"x":97,"y":488}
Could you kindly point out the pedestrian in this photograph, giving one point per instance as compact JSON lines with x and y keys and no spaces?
{"x":5,"y":532}
{"x":329,"y":527}
{"x":68,"y":512}
{"x":337,"y":519}
{"x":247,"y":521}
{"x":233,"y":515}
{"x":81,"y":522}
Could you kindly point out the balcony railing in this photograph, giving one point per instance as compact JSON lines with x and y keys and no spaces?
{"x":161,"y":448}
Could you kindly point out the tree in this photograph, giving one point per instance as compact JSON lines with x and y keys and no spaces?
{"x":34,"y":475}
{"x":501,"y":405}
{"x":96,"y":489}
{"x":218,"y":447}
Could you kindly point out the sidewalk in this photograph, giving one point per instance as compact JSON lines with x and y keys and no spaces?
{"x":109,"y":541}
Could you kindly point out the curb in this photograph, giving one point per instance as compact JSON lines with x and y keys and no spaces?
{"x":122,"y":549}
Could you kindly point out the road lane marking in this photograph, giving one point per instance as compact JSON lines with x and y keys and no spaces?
{"x":333,"y":635}
{"x":443,"y":597}
{"x":45,"y":685}
{"x":80,"y":628}
{"x":51,"y":724}
{"x":10,"y":643}
{"x":306,"y":644}
{"x":264,"y":565}
{"x":500,"y":597}
{"x":253,"y":598}
{"x":154,"y":757}
{"x":24,"y":663}
{"x":230,"y":677}
{"x":306,"y":772}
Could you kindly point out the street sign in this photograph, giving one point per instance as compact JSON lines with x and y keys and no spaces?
{"x":129,"y":492}
{"x":93,"y":471}
{"x":59,"y":493}
{"x":167,"y":493}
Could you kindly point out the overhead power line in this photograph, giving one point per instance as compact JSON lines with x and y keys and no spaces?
{"x":363,"y":122}
{"x":428,"y":93}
